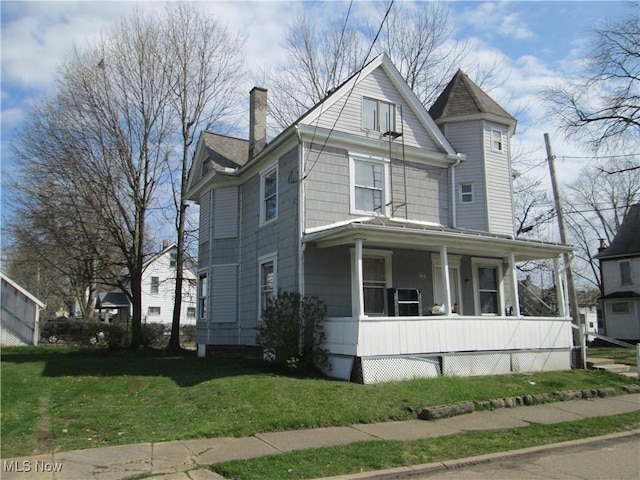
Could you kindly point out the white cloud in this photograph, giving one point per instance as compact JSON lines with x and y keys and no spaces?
{"x":495,"y":19}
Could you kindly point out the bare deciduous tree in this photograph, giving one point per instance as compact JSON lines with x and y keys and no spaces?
{"x":417,"y":38}
{"x":203,"y":67}
{"x":603,"y":106}
{"x":100,"y":148}
{"x":596,"y":204}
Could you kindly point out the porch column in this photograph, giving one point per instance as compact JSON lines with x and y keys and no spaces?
{"x":562,"y":306}
{"x":358,"y":299}
{"x":514,"y":284}
{"x":444,"y":263}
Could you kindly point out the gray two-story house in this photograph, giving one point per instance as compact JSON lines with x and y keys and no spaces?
{"x":620,"y":268}
{"x":400,"y":219}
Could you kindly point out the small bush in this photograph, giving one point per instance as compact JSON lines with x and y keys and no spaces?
{"x":116,"y":336}
{"x":188,"y":334}
{"x":153,"y":335}
{"x":292,"y":331}
{"x":79,"y":332}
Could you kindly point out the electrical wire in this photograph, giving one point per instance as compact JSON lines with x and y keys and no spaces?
{"x":364,"y":63}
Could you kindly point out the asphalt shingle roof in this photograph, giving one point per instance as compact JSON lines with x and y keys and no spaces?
{"x":627,"y":240}
{"x":226,"y":152}
{"x":463,"y":97}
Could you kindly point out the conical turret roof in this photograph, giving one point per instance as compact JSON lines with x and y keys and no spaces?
{"x":463,"y":98}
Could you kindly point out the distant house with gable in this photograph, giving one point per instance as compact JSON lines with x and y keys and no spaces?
{"x":20,"y":320}
{"x":620,"y":267}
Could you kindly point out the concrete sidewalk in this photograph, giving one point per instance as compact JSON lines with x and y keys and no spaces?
{"x":188,"y":459}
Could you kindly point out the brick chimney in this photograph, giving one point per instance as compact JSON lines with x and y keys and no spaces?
{"x":602,"y":245}
{"x":257,"y":121}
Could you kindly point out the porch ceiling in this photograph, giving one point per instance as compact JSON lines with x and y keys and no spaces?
{"x":385,"y":233}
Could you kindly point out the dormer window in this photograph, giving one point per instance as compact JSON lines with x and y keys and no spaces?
{"x":378,"y":116}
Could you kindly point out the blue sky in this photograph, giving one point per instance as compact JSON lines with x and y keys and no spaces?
{"x":537,"y":43}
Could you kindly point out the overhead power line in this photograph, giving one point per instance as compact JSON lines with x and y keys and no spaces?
{"x":366,"y":59}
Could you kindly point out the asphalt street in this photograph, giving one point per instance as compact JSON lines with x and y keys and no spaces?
{"x":609,"y":459}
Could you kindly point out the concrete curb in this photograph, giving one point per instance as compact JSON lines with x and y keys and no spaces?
{"x":402,"y":472}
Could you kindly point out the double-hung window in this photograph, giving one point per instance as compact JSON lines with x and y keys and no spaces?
{"x":487,"y":279}
{"x":202,"y":296}
{"x":374,"y":285}
{"x":466,"y":193}
{"x":378,"y":115}
{"x":625,"y":273}
{"x":155,"y":284}
{"x":496,"y":140}
{"x":369,"y":180}
{"x":269,"y":195}
{"x":268,"y":274}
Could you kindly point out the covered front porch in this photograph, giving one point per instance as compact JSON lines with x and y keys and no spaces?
{"x":426,"y":301}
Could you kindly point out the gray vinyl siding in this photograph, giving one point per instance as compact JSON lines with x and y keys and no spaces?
{"x":498,"y":177}
{"x":326,"y":186}
{"x":225,"y":213}
{"x":376,"y":86}
{"x":328,"y":276}
{"x":280,"y":236}
{"x":426,"y":192}
{"x":467,"y":138}
{"x":224,"y":293}
{"x":205,"y":216}
{"x":327,"y":189}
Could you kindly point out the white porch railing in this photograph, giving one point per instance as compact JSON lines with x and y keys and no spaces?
{"x":377,"y":336}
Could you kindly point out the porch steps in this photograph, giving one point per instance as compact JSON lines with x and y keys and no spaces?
{"x":608,"y":365}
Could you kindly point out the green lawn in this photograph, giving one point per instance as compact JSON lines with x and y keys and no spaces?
{"x":62,"y":399}
{"x":380,"y":455}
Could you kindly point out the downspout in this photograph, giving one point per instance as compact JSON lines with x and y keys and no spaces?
{"x":454,"y":210}
{"x":301,"y":216}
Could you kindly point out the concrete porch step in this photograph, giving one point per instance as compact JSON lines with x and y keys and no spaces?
{"x":593,"y":362}
{"x":598,"y":363}
{"x":612,"y":367}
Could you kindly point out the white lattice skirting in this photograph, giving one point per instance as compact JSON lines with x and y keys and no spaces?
{"x":405,"y":367}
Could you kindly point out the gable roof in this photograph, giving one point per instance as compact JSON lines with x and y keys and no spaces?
{"x":627,"y":241}
{"x":463,"y":98}
{"x":227,"y":153}
{"x":384,"y":62}
{"x":23,"y":291}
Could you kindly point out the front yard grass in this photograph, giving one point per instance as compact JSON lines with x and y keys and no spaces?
{"x":58,"y":399}
{"x":379,"y":455}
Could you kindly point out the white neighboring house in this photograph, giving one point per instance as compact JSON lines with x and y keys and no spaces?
{"x":158,"y":289}
{"x":19,"y":323}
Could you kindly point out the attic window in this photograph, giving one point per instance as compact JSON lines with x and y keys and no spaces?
{"x":378,"y":115}
{"x":496,"y":140}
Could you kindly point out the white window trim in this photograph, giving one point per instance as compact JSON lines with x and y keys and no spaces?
{"x":388,"y":269}
{"x":487,"y":262}
{"x":378,"y":100}
{"x":622,"y":283}
{"x":386,"y":164}
{"x":454,"y":262}
{"x":154,"y":313}
{"x":501,"y":133}
{"x":264,"y":259}
{"x":472,"y":193}
{"x":201,"y":314}
{"x":263,"y":211}
{"x":624,"y":311}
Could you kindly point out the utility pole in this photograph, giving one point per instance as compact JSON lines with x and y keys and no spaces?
{"x":578,"y":334}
